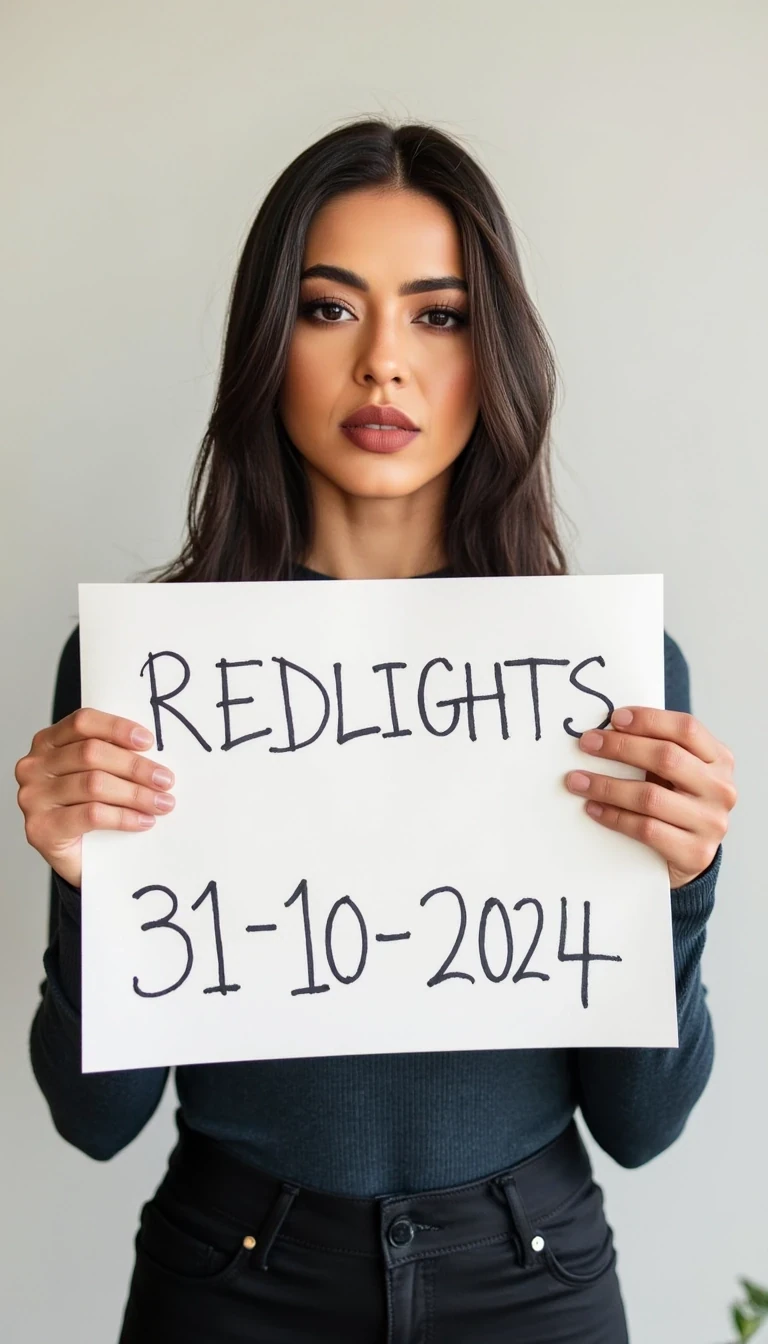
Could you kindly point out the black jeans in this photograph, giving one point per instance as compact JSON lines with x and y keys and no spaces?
{"x":227,"y":1254}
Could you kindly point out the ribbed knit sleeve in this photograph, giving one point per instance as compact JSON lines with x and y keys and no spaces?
{"x":636,"y":1102}
{"x":100,"y":1113}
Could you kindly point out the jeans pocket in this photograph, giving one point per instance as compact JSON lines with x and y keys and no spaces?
{"x":172,"y":1245}
{"x":578,"y":1247}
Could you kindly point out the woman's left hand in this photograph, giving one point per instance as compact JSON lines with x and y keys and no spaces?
{"x":681,"y":809}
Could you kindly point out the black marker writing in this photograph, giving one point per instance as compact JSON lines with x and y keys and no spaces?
{"x":159,"y":702}
{"x":496,"y":941}
{"x":421,"y":697}
{"x":387,"y":669}
{"x":346,"y":979}
{"x":523,"y":973}
{"x":585,"y":956}
{"x":226,"y":701}
{"x":341,"y":735}
{"x":293,"y":745}
{"x":431,"y":676}
{"x":222,"y":987}
{"x":493,"y":904}
{"x":312,"y":988}
{"x":533,"y":664}
{"x":164,"y":923}
{"x":444,"y":973}
{"x":589,"y":691}
{"x":472,"y":698}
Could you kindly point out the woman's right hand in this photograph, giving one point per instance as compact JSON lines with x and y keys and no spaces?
{"x":82,"y":774}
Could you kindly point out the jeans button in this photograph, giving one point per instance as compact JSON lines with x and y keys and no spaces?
{"x":401,"y":1232}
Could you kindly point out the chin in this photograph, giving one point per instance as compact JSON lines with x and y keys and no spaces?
{"x":381,"y":479}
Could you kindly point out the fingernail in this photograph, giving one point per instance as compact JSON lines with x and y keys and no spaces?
{"x":591,"y":741}
{"x":622,"y":717}
{"x":579,"y":782}
{"x":594,"y":809}
{"x":164,"y":801}
{"x":162,"y":778}
{"x":141,"y":738}
{"x":146,"y":820}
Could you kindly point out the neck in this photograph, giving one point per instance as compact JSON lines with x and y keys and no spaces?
{"x":358,"y":538}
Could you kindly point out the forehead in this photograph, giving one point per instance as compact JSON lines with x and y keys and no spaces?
{"x":392,"y":233}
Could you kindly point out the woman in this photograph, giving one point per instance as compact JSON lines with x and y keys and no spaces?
{"x":440,"y":1196}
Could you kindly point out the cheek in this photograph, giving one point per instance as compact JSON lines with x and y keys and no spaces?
{"x":308,"y":385}
{"x":452,"y":395}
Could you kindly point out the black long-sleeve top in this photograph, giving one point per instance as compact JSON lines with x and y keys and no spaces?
{"x":379,"y":1124}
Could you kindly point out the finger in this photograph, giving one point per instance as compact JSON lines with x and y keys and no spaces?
{"x":665,"y":758}
{"x":100,"y":787}
{"x":672,"y":726}
{"x":682,"y":849}
{"x":61,"y":824}
{"x":640,"y":796}
{"x":91,"y":753}
{"x":88,"y":722}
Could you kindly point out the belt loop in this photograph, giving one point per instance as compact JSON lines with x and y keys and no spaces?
{"x":272,"y":1224}
{"x":521,"y":1224}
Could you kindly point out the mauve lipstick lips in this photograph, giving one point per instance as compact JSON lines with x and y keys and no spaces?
{"x":379,"y":440}
{"x":397,"y":428}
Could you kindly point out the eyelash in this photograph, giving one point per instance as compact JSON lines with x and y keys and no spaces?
{"x":308,"y":308}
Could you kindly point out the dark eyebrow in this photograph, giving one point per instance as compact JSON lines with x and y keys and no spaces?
{"x":345,"y":277}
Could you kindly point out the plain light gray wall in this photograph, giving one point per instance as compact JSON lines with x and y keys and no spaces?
{"x":629,"y":143}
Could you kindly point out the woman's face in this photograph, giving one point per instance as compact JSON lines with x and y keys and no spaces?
{"x":359,"y":341}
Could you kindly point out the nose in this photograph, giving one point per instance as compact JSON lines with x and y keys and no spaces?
{"x":382,"y":355}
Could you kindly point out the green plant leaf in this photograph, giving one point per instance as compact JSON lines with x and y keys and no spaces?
{"x":746,"y":1325}
{"x":758,"y":1297}
{"x":739,"y":1319}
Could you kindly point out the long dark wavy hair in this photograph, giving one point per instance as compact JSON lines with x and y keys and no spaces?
{"x":249,"y":508}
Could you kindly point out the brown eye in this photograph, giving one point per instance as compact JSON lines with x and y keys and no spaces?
{"x":312,"y":307}
{"x":444,"y":310}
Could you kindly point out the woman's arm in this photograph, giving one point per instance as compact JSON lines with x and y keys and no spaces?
{"x":97,"y":1112}
{"x":636,"y":1101}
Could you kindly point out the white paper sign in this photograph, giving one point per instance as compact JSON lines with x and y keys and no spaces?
{"x":373,"y":848}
